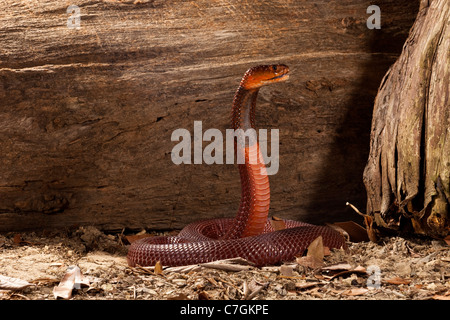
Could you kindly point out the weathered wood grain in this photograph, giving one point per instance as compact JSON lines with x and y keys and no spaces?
{"x":408,"y":173}
{"x":86,"y":115}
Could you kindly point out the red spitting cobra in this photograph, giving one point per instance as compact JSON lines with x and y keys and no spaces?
{"x":250,"y":234}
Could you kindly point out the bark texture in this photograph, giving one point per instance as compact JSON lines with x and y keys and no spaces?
{"x":86,"y":115}
{"x":408,"y":172}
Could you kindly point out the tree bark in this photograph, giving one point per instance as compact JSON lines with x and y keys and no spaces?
{"x":407,"y":176}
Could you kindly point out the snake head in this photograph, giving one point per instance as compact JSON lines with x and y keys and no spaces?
{"x":259,"y":76}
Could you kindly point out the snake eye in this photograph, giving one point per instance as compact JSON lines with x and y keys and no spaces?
{"x":274,"y":67}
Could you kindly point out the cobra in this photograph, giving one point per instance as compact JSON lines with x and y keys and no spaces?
{"x":250,"y":234}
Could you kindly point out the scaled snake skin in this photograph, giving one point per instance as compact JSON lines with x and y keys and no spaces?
{"x":250,"y":234}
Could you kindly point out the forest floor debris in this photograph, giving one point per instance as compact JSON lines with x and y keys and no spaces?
{"x":33,"y":264}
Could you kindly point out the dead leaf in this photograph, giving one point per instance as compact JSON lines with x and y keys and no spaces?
{"x":252,"y":289}
{"x":369,"y":222}
{"x":356,"y":232}
{"x":371,"y":230}
{"x":343,"y":233}
{"x":340,"y":267}
{"x":447,"y":240}
{"x":319,"y":276}
{"x":277,"y":223}
{"x":314,"y":256}
{"x":287,"y":270}
{"x":73,"y":279}
{"x":345,"y":272}
{"x":398,"y":281}
{"x":9,"y":283}
{"x":316,"y":249}
{"x":132,"y":238}
{"x":355,"y":292}
{"x":306,"y":285}
{"x":180,"y":296}
{"x":203,"y":295}
{"x":309,"y":262}
{"x":445,"y":296}
{"x":360,"y":269}
{"x":17,"y":238}
{"x":158,"y":268}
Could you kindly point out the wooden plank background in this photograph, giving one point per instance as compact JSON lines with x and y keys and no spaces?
{"x":86,"y":115}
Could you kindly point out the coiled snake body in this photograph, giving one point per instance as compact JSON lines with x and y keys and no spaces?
{"x":250,"y":234}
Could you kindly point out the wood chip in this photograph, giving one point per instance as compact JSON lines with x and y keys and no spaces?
{"x":397,"y":280}
{"x":355,"y":292}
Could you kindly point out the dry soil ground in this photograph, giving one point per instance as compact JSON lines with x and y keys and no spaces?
{"x":397,"y":268}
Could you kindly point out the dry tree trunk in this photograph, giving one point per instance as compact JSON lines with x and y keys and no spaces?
{"x":407,"y":176}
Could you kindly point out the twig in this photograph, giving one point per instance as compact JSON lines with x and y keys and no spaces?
{"x":245,"y":290}
{"x":356,"y":209}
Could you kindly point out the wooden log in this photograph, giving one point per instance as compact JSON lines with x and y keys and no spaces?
{"x":408,"y":173}
{"x":86,"y":115}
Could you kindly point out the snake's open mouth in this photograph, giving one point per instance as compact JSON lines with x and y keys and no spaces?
{"x":281,"y":77}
